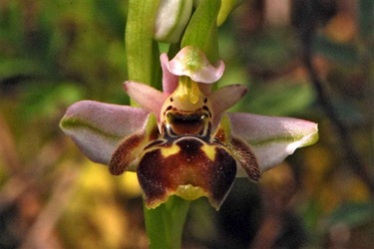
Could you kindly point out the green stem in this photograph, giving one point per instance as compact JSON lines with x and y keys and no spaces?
{"x":165,"y":223}
{"x":141,"y":50}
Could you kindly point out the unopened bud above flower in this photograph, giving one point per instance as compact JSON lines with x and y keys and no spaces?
{"x":172,"y":18}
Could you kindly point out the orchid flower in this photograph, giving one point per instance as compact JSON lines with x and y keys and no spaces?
{"x":181,"y":141}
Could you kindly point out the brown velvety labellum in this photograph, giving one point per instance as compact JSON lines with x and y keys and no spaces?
{"x":160,"y":176}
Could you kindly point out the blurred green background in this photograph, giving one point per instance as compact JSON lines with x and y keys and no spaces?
{"x":54,"y":53}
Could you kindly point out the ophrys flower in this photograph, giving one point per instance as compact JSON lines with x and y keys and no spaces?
{"x":181,"y":141}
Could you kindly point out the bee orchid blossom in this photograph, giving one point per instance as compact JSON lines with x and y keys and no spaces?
{"x":181,"y":141}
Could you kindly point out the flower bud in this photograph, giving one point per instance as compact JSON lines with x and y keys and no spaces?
{"x":172,"y":18}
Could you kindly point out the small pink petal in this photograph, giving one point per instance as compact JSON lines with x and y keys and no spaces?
{"x":147,"y":97}
{"x":273,"y":138}
{"x":206,"y":89}
{"x":97,"y":128}
{"x":226,"y":97}
{"x":169,"y":80}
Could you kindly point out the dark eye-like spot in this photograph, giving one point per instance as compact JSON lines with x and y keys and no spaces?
{"x":171,"y":99}
{"x":205,"y":100}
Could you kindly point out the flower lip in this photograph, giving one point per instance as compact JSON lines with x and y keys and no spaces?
{"x":207,"y":168}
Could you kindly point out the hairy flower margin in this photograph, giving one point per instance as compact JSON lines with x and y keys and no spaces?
{"x":181,"y":141}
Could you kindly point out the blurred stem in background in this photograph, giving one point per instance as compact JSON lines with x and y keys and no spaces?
{"x":307,"y":31}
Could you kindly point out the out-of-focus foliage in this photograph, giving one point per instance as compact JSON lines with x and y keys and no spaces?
{"x":53,"y":53}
